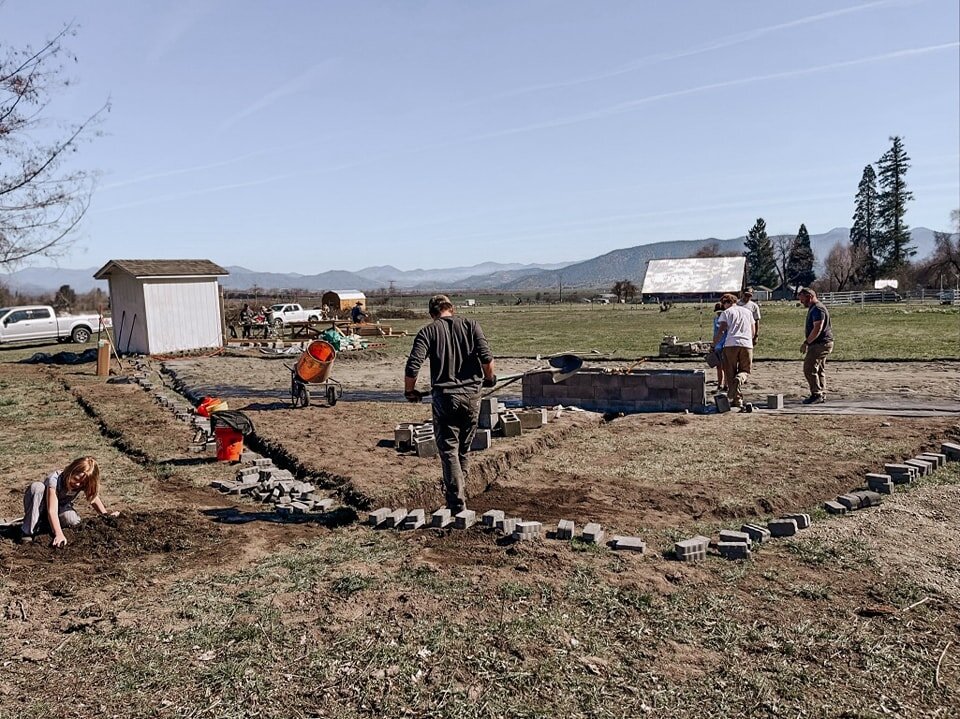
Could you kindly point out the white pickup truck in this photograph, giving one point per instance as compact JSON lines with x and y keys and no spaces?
{"x":284,"y":314}
{"x":40,"y":322}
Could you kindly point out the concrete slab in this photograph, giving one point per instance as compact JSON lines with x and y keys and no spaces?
{"x":629,"y":544}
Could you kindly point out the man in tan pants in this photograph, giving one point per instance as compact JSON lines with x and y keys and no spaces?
{"x":817,"y":344}
{"x":737,"y":323}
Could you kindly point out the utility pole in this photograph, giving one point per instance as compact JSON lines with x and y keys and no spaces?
{"x":560,"y":277}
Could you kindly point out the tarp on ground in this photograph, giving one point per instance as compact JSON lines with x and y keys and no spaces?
{"x":695,"y":275}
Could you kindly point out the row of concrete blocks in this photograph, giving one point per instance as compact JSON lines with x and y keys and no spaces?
{"x":419,"y":437}
{"x":264,"y":482}
{"x":734,"y":544}
{"x":893,"y":474}
{"x":495,"y":519}
{"x":496,"y":418}
{"x":593,"y":377}
{"x":722,"y":402}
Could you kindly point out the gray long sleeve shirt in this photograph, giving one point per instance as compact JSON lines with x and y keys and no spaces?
{"x":457,"y":350}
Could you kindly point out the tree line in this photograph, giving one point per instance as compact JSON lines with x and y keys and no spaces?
{"x":879,"y":245}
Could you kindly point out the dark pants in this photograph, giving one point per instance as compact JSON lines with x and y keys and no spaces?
{"x":454,"y":424}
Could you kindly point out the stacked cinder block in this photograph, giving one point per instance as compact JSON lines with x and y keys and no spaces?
{"x":441,"y":519}
{"x":924,"y":467}
{"x":901,"y":473}
{"x":638,"y":391}
{"x":938,"y":457}
{"x":734,"y":544}
{"x":757,"y":534}
{"x":881,"y":483}
{"x":491,"y":517}
{"x":565,"y":529}
{"x":526,"y":531}
{"x":592,"y":533}
{"x":693,"y":549}
{"x":263,"y":482}
{"x":490,"y":409}
{"x":415,"y":519}
{"x":951,"y":451}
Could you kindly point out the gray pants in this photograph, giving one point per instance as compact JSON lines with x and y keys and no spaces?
{"x":813,"y":364}
{"x":454,"y":425}
{"x":35,"y":510}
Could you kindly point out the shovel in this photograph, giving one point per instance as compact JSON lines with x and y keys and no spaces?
{"x":561,"y":367}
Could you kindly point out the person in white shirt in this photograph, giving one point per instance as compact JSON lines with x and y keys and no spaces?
{"x":737,"y":323}
{"x":746,"y":300}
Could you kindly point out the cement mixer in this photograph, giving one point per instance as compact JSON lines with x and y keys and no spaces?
{"x":314,"y":367}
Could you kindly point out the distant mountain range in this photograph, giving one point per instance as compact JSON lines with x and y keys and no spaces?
{"x":602,"y":271}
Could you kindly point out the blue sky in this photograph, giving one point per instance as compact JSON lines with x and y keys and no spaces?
{"x":309,"y":136}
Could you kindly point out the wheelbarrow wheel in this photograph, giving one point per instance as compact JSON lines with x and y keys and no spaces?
{"x":331,"y":395}
{"x":304,"y":396}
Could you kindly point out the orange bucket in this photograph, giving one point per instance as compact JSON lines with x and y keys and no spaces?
{"x":229,"y":444}
{"x":314,"y":364}
{"x":211,"y":404}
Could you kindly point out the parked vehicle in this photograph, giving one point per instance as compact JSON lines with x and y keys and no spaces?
{"x":949,"y":297}
{"x":40,"y":322}
{"x":284,"y":314}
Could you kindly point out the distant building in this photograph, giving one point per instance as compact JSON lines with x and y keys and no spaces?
{"x":163,"y":306}
{"x":341,"y":300}
{"x":693,"y":278}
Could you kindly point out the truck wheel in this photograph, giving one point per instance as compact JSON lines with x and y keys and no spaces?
{"x":278,"y":323}
{"x":80,"y":335}
{"x":313,"y":318}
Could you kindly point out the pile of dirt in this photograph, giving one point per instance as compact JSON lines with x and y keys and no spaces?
{"x":111,"y":546}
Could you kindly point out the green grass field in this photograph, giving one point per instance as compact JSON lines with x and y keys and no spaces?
{"x":880,"y":332}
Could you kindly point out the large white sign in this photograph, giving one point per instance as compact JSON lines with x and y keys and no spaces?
{"x":695,"y":275}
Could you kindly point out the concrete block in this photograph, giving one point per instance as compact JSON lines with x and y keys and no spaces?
{"x":895,"y":469}
{"x":402,"y":436}
{"x":774,"y":401}
{"x":425,"y":446}
{"x":730,"y":535}
{"x":782,"y":527}
{"x":734,"y":550}
{"x":483,"y":439}
{"x":877,"y":477}
{"x":510,"y":424}
{"x":323,"y":504}
{"x":880,"y":485}
{"x":693,"y":549}
{"x":939,"y":458}
{"x":465,"y":519}
{"x":525,"y":531}
{"x":532,"y":418}
{"x":868,"y":498}
{"x":415,"y":519}
{"x":507,"y":525}
{"x":922,"y":465}
{"x":491,"y":517}
{"x":300,"y":507}
{"x":722,"y":403}
{"x":629,"y":544}
{"x":951,"y":450}
{"x":593,"y":533}
{"x":565,"y":529}
{"x":835,"y":507}
{"x":803,"y":520}
{"x":395,"y":517}
{"x":756,"y":533}
{"x":263,"y":462}
{"x":851,"y":501}
{"x":378,"y":516}
{"x":490,"y":405}
{"x":441,"y":518}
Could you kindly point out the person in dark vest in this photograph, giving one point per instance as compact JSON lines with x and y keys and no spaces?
{"x":460,"y":363}
{"x":817,"y":344}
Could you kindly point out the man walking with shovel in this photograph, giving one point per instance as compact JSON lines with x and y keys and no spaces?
{"x":460,"y":363}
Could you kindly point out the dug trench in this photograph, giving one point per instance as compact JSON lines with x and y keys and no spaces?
{"x":165,"y":528}
{"x":642,"y":472}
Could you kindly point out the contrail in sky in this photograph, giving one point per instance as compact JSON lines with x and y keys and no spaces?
{"x":728,"y":41}
{"x":633,"y":104}
{"x":291,"y":87}
{"x":193,"y":193}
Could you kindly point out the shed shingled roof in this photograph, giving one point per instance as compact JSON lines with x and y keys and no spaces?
{"x":162,"y":268}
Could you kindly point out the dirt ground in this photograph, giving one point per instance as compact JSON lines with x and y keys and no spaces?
{"x":195,"y":603}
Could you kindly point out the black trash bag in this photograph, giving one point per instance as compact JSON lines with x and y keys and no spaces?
{"x":232,"y":419}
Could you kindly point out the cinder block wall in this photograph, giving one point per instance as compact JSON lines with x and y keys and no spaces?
{"x":643,"y":391}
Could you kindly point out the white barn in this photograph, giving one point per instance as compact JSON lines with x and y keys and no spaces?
{"x":161,"y":306}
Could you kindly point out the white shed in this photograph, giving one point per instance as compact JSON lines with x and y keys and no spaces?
{"x":161,"y":306}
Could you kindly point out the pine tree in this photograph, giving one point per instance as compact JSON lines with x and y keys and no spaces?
{"x":800,"y":263}
{"x":864,"y":234}
{"x":761,"y":262}
{"x":892,"y":206}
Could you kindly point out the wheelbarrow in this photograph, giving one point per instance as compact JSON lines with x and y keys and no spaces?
{"x":313,"y":367}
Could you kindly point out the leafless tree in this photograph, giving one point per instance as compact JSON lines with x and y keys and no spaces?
{"x":42,"y":197}
{"x":711,"y":249}
{"x":782,"y":245}
{"x":840,"y":266}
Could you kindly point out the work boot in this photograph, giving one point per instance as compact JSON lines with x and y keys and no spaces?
{"x":26,"y":538}
{"x":815,"y":399}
